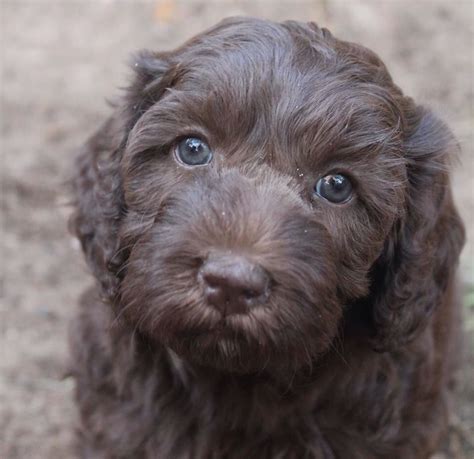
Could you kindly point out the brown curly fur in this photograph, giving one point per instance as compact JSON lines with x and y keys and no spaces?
{"x":353,"y":354}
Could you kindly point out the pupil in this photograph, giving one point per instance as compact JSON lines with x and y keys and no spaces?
{"x":194,"y":146}
{"x":338,"y":182}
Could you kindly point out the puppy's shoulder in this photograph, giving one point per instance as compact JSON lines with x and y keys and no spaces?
{"x":88,"y":331}
{"x":94,"y":310}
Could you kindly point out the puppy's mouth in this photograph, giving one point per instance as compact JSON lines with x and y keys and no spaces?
{"x":221,"y":336}
{"x":235,"y":327}
{"x":221,"y":346}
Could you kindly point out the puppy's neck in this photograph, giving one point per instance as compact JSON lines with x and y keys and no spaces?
{"x":266,"y":400}
{"x":241,"y":401}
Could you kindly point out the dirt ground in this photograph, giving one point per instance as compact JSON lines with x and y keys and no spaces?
{"x":60,"y":60}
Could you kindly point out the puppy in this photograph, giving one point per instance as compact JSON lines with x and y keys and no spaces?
{"x":270,"y":222}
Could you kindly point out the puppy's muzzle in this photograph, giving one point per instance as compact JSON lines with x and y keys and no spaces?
{"x":233,"y":284}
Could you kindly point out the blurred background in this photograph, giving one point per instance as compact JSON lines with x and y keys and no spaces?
{"x":61,"y":60}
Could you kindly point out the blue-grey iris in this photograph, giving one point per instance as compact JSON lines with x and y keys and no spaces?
{"x":335,"y":188}
{"x":193,"y":152}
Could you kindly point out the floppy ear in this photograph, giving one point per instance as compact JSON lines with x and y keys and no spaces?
{"x":420,"y":257}
{"x":98,"y":202}
{"x":97,"y":184}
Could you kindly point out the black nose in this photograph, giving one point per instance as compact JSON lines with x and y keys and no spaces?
{"x":233,"y":284}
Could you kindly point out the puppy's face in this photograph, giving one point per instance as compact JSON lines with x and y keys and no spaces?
{"x":261,"y":182}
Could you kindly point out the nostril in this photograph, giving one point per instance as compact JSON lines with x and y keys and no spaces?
{"x":212,"y":280}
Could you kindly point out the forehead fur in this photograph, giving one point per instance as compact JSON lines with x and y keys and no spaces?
{"x":287,"y":87}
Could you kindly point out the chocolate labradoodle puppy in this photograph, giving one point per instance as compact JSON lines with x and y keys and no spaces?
{"x":271,"y":225}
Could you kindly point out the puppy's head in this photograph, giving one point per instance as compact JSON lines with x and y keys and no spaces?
{"x":260,"y":182}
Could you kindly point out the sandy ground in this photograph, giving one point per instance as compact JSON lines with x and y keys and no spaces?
{"x":60,"y":60}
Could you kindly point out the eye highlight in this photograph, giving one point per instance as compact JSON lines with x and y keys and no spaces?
{"x":336,"y":188}
{"x":193,"y":151}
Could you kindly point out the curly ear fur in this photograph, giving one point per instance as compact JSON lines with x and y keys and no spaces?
{"x":97,"y":185}
{"x":421,"y":256}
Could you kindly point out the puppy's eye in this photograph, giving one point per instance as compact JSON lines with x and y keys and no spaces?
{"x":335,"y":188}
{"x":193,"y":152}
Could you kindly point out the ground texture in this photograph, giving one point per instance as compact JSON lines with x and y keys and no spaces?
{"x":60,"y":60}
